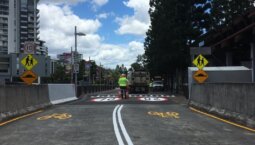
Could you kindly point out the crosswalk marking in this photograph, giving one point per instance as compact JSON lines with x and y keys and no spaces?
{"x":133,"y":96}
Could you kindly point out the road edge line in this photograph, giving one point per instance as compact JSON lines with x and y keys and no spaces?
{"x":223,"y":120}
{"x":20,"y":117}
{"x":123,"y":128}
{"x":115,"y":126}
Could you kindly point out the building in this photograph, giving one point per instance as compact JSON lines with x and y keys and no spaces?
{"x":66,"y":58}
{"x":19,"y":22}
{"x":4,"y":12}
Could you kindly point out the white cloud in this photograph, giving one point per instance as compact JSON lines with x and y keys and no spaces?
{"x":99,"y":2}
{"x":103,"y":16}
{"x":57,"y":29}
{"x":95,"y":3}
{"x":60,"y":2}
{"x":137,"y":24}
{"x":111,"y":55}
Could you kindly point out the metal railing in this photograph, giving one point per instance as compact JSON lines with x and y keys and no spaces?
{"x":88,"y":89}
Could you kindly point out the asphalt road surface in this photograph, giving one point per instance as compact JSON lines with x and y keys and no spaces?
{"x":105,"y":119}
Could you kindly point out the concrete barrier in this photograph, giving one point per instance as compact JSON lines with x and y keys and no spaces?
{"x":235,"y":101}
{"x":17,"y":100}
{"x":60,"y":93}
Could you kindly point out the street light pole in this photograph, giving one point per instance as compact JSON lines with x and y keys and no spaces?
{"x":75,"y":54}
{"x":71,"y":73}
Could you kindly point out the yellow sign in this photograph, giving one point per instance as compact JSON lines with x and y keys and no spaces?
{"x":29,"y":62}
{"x":28,"y":77}
{"x":62,"y":116}
{"x":165,"y":114}
{"x":200,"y":62}
{"x":200,"y":76}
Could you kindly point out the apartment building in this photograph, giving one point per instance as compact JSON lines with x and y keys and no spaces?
{"x":19,"y":23}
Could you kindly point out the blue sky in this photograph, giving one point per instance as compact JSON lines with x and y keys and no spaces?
{"x":115,"y":29}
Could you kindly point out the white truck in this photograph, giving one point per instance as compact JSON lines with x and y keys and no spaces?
{"x":139,"y":81}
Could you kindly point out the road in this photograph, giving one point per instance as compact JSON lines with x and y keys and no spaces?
{"x":104,"y":119}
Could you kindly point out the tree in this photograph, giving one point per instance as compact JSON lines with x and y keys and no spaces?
{"x":60,"y":75}
{"x":223,"y":12}
{"x":174,"y":26}
{"x":136,"y":66}
{"x":93,"y":71}
{"x":81,"y":70}
{"x":166,"y":46}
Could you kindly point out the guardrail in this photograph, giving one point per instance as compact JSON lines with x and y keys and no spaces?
{"x":88,"y":89}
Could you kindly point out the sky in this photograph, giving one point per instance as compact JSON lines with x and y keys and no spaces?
{"x":115,"y":29}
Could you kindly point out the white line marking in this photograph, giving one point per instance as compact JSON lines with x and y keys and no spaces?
{"x":115,"y":126}
{"x":123,"y":129}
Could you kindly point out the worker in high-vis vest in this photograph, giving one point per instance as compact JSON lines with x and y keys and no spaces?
{"x":123,"y":84}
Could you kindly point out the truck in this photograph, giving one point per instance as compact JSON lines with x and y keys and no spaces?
{"x":139,"y":81}
{"x":157,"y":83}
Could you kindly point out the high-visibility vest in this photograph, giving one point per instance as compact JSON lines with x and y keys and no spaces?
{"x":123,"y":82}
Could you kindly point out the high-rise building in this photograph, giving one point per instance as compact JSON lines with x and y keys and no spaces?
{"x":19,"y":23}
{"x":4,"y":12}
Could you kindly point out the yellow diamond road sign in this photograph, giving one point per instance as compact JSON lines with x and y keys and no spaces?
{"x":29,"y":62}
{"x":200,"y":62}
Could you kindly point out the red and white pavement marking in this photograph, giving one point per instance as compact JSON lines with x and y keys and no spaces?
{"x":152,"y":99}
{"x":105,"y":99}
{"x":133,"y":96}
{"x":140,"y":97}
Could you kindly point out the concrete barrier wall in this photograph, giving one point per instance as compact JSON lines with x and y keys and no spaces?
{"x":60,"y":93}
{"x":230,"y":100}
{"x":17,"y":100}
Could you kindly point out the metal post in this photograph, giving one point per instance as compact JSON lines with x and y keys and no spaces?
{"x":71,"y":72}
{"x":253,"y":61}
{"x":75,"y":52}
{"x":75,"y":37}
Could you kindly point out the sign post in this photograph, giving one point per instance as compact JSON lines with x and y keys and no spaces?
{"x":29,"y":47}
{"x":200,"y":62}
{"x":29,"y":62}
{"x":28,"y":77}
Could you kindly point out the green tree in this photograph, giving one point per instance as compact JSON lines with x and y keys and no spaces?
{"x":173,"y":29}
{"x":60,"y":75}
{"x":81,"y":70}
{"x":223,"y":12}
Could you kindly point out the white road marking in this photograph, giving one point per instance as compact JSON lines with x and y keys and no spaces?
{"x":123,"y":129}
{"x":134,"y":96}
{"x":105,"y":99}
{"x":115,"y":126}
{"x":116,"y":120}
{"x":152,"y":99}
